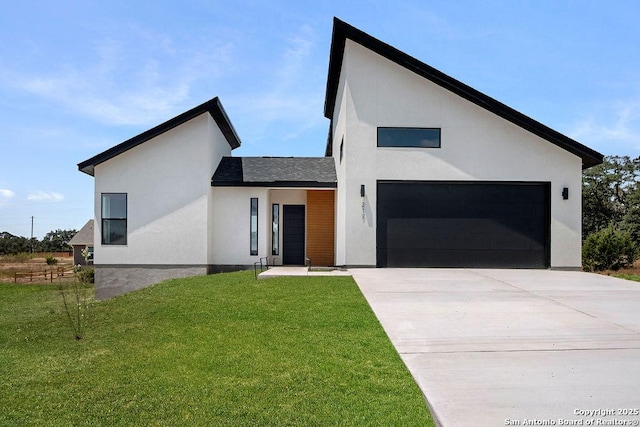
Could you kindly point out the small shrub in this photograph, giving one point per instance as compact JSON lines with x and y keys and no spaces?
{"x":84,"y":274}
{"x":608,"y":249}
{"x":51,"y":260}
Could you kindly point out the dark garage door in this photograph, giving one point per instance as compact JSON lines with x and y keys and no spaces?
{"x":463,"y":224}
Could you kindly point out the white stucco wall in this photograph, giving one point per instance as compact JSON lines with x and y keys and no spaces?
{"x":167,"y":182}
{"x":231,"y":233}
{"x":216,"y":135}
{"x":339,"y":124}
{"x":475,"y":145}
{"x":231,"y":213}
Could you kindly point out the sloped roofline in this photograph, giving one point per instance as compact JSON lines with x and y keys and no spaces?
{"x":213,"y":107}
{"x":84,"y":236}
{"x":343,"y":31}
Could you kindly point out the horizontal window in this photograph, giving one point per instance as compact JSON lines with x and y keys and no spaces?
{"x":114,"y":219}
{"x":409,"y":137}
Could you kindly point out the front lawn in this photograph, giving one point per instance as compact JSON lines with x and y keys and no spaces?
{"x":215,"y":350}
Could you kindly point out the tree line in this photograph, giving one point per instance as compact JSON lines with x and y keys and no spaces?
{"x":611,"y":213}
{"x":53,"y":241}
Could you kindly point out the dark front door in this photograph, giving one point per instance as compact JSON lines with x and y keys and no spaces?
{"x":293,"y":235}
{"x":463,"y":224}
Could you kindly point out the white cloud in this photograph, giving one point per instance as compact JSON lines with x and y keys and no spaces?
{"x":6,"y":193}
{"x":299,"y":48}
{"x":140,"y":82}
{"x":616,"y":130}
{"x":43,"y":196}
{"x":142,"y":105}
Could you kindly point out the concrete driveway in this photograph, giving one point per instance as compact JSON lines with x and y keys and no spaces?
{"x":514,"y":347}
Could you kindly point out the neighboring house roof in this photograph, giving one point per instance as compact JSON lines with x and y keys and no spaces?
{"x":343,"y":31}
{"x":213,"y":107}
{"x":84,"y":236}
{"x":275,"y":172}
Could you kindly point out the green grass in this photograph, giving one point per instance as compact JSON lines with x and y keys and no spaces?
{"x":635,"y":277}
{"x":215,"y":350}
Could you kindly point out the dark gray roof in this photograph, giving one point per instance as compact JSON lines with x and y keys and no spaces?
{"x":213,"y":107}
{"x":275,"y":172}
{"x":84,"y":236}
{"x":343,"y":31}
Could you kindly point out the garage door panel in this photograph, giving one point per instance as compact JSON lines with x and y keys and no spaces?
{"x":454,"y":233}
{"x":463,"y":224}
{"x":407,"y":258}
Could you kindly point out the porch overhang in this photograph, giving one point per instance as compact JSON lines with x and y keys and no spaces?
{"x":277,"y":184}
{"x":279,"y":172}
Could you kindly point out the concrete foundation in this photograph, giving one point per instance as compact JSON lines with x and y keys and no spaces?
{"x":111,"y":281}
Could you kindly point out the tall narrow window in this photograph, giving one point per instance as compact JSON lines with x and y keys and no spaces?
{"x":114,"y":218}
{"x":341,"y":149}
{"x":275,"y":229}
{"x":254,"y":226}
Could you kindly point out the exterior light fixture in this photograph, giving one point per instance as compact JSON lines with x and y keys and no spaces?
{"x":362,"y":193}
{"x":565,"y":193}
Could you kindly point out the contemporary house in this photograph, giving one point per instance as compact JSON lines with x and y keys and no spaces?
{"x":82,"y":240}
{"x":420,"y":170}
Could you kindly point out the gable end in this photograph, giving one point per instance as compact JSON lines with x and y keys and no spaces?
{"x":213,"y":107}
{"x":343,"y":31}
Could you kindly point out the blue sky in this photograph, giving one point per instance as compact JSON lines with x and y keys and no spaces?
{"x":77,"y":77}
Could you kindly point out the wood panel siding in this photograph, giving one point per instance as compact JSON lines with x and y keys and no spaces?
{"x":321,"y":227}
